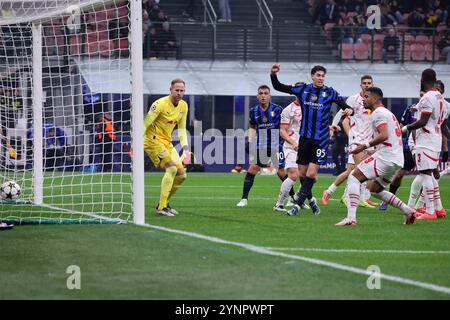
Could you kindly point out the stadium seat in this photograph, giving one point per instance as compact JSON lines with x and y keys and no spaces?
{"x":418,"y":52}
{"x":346,"y":51}
{"x":377,"y":51}
{"x":408,"y":38}
{"x":401,"y":28}
{"x":422,"y":39}
{"x":361,"y":51}
{"x":379,"y":38}
{"x":441,"y":28}
{"x":366,"y":38}
{"x":406,"y":53}
{"x":429,"y":53}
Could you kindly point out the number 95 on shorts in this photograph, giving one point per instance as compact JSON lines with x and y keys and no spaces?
{"x":312,"y":151}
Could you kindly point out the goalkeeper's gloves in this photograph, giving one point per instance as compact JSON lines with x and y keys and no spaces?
{"x":186,"y":157}
{"x":444,"y":156}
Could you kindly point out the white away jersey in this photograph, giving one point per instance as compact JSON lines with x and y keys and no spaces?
{"x":392,"y":148}
{"x":292,"y":116}
{"x":360,"y":125}
{"x":430,"y":136}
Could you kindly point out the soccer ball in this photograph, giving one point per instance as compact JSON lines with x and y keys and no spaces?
{"x":9,"y":190}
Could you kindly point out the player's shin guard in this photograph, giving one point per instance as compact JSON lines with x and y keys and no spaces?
{"x":353,"y":194}
{"x":177,"y":182}
{"x":415,"y":190}
{"x":248,"y":183}
{"x":391,"y":199}
{"x":166,"y":185}
{"x":286,"y":186}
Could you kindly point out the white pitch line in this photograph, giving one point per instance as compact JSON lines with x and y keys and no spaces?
{"x":333,"y":265}
{"x":360,"y":250}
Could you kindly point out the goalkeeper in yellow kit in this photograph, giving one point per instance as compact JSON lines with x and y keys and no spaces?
{"x":163,"y":116}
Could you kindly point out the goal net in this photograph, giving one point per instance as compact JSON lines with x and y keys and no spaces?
{"x":70,"y":138}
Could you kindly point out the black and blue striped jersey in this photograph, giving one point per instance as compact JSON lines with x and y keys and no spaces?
{"x":267,"y":123}
{"x":316,"y":108}
{"x":407,"y":118}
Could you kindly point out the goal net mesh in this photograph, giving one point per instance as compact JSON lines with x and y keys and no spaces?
{"x":86,"y":120}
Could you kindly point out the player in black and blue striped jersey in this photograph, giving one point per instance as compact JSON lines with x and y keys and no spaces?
{"x":315,"y":100}
{"x":264,"y":141}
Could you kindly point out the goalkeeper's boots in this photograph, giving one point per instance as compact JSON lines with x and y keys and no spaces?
{"x":172,"y":210}
{"x":164,"y":212}
{"x":314,"y":207}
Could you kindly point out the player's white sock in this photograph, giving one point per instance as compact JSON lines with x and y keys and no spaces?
{"x":421,"y":200}
{"x":352,"y":195}
{"x":390,"y":198}
{"x":437,"y":195}
{"x":415,"y":190}
{"x":365,"y":193}
{"x":284,"y":190}
{"x":331,"y":189}
{"x":428,"y":190}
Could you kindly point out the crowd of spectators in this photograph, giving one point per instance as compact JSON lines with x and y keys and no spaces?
{"x":159,"y":38}
{"x":345,"y":21}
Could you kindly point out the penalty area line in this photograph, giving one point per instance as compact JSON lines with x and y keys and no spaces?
{"x":388,"y":251}
{"x":333,"y":265}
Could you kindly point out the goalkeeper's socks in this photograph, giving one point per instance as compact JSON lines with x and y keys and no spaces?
{"x":248,"y":183}
{"x":166,"y":185}
{"x":177,"y":182}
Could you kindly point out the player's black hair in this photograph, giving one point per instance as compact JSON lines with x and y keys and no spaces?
{"x":440,"y":86}
{"x":317,"y":69}
{"x":377,"y":91}
{"x":428,"y":77}
{"x":366,"y":76}
{"x":264,"y":87}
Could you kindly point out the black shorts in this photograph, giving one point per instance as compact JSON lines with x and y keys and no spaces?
{"x":263,"y":156}
{"x":312,"y":151}
{"x":409,"y":160}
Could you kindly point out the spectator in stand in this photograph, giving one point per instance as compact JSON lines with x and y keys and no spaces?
{"x":345,"y":32}
{"x":329,"y":13}
{"x":165,"y":42}
{"x":415,"y":20}
{"x":391,"y":45}
{"x":189,"y":10}
{"x":225,"y":13}
{"x":431,"y":19}
{"x":444,"y":46}
{"x":314,"y":11}
{"x":160,"y":19}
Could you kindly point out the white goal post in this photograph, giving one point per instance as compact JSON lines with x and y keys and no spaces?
{"x":70,"y":137}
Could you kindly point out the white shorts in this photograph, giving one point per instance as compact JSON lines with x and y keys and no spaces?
{"x":352,"y":147}
{"x":379,"y":170}
{"x":290,"y":158}
{"x":426,"y":159}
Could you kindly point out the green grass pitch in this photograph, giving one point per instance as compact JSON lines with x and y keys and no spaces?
{"x":133,"y":262}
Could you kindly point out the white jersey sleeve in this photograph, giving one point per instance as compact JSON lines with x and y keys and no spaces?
{"x":429,"y":136}
{"x":292,"y":116}
{"x":390,"y":150}
{"x":360,"y":125}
